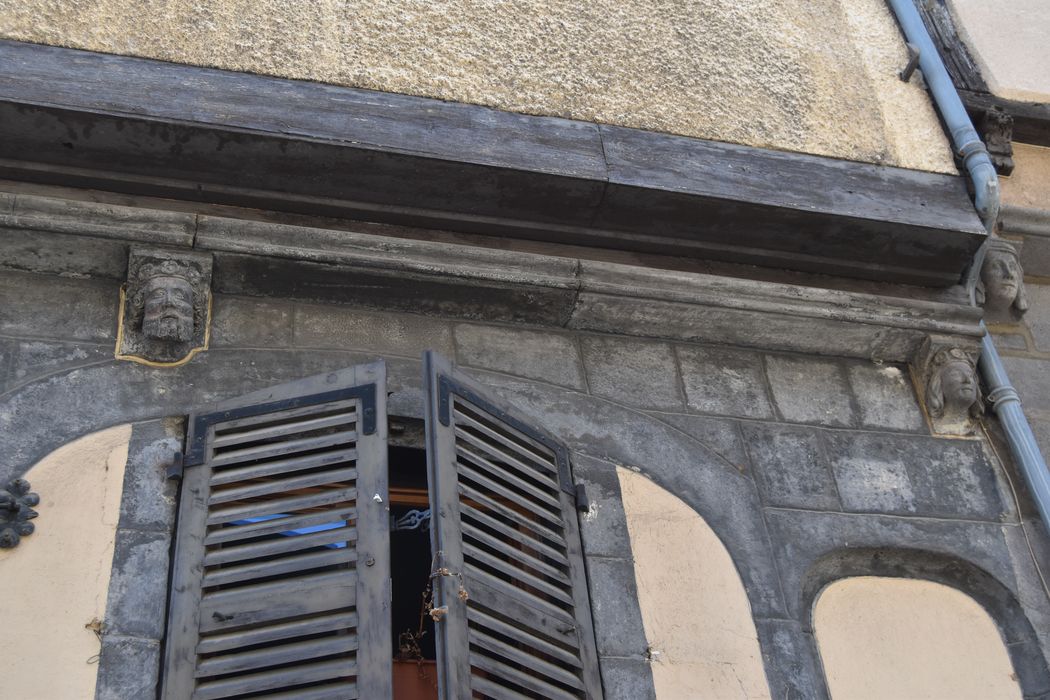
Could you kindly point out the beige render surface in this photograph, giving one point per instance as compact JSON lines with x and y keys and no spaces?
{"x":1029,"y":184}
{"x":818,"y":76}
{"x":904,"y":638}
{"x":56,"y":580}
{"x":694,"y":608}
{"x":1009,"y":41}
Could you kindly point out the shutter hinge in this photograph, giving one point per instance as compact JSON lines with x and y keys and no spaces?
{"x":583,"y":501}
{"x":173,"y":470}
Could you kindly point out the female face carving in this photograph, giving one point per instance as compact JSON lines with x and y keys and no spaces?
{"x":1001,"y":275}
{"x":958,"y":385}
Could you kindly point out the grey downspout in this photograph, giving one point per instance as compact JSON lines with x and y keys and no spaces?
{"x":1001,"y":393}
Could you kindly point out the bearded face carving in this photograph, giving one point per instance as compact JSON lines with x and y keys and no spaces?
{"x":166,"y":306}
{"x":167,"y":311}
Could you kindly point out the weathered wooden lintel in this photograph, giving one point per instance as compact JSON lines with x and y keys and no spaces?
{"x":146,"y":127}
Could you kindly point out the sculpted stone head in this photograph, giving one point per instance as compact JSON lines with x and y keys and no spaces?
{"x":166,"y":307}
{"x":953,"y":389}
{"x":1002,"y":279}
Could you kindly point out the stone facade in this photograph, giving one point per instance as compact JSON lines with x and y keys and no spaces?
{"x":803,"y":465}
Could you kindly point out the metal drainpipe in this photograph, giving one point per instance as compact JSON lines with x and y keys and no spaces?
{"x":1004,"y":398}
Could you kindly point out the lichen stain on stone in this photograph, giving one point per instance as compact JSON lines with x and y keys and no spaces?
{"x":816,"y":77}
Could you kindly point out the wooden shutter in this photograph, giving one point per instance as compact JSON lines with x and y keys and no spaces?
{"x":509,"y":586}
{"x":280,"y":583}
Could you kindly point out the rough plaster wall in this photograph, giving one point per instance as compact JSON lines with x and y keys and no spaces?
{"x":696,"y":614}
{"x":904,"y":638}
{"x":1029,"y":184}
{"x":56,"y":580}
{"x":817,"y":76}
{"x":1009,"y":41}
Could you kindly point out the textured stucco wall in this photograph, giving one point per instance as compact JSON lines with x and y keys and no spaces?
{"x":1009,"y":41}
{"x":696,"y":614}
{"x":55,"y":582}
{"x":817,"y":76}
{"x":901,"y":638}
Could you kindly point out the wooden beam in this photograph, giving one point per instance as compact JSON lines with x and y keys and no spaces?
{"x":146,"y":127}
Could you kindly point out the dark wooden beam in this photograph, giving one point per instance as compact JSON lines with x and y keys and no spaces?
{"x":146,"y":127}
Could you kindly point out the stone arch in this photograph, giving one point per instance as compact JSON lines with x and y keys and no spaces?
{"x":986,"y":591}
{"x":696,"y":614}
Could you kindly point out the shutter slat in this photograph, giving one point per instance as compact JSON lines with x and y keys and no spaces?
{"x":237,"y":493}
{"x":496,"y":691}
{"x":234,"y":533}
{"x":280,"y":545}
{"x":272,"y":633}
{"x":503,"y":473}
{"x":273,"y":680}
{"x":542,"y":473}
{"x":249,"y":454}
{"x":497,"y":669}
{"x":473,"y":498}
{"x":274,"y":506}
{"x":282,"y":466}
{"x":280,"y":415}
{"x":503,"y":548}
{"x":478,"y":576}
{"x":469,"y":472}
{"x":507,"y":436}
{"x":275,"y":655}
{"x":515,"y":573}
{"x":339,"y":691}
{"x":266,"y":602}
{"x":284,"y":428}
{"x":285,"y":565}
{"x":536,"y":665}
{"x":482,"y":619}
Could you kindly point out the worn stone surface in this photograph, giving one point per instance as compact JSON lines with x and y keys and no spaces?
{"x":790,"y":467}
{"x":1031,"y":379}
{"x":798,"y":675}
{"x":635,"y":372}
{"x":720,"y":435}
{"x":128,"y":669}
{"x":138,"y":587}
{"x":885,"y":397}
{"x":548,"y":357}
{"x":627,"y":679}
{"x":1038,"y":317}
{"x":59,"y":308}
{"x":723,"y":380}
{"x":30,"y":359}
{"x":818,"y":77}
{"x":246,"y":322}
{"x":1010,"y":341}
{"x":925,"y":476}
{"x":351,"y":329}
{"x":603,"y":527}
{"x":614,"y":602}
{"x":148,"y":500}
{"x":810,"y":391}
{"x":803,"y":538}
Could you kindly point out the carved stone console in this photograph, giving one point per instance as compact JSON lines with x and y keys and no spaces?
{"x":1001,"y":287}
{"x":165,"y":306}
{"x":949,"y":385}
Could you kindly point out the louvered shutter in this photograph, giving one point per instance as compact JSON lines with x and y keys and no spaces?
{"x":280,"y":584}
{"x":509,"y":586}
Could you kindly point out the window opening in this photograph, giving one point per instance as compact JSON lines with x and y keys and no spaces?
{"x":415,"y":666}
